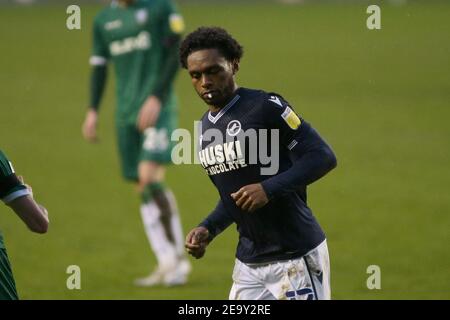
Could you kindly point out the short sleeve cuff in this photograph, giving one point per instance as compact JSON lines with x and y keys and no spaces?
{"x":97,"y":61}
{"x":16,"y":194}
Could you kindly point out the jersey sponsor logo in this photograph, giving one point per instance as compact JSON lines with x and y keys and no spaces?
{"x":141,"y":16}
{"x":233,"y":128}
{"x":176,"y":23}
{"x":222,"y":158}
{"x":116,"y":24}
{"x":141,"y":42}
{"x":276,"y":100}
{"x":292,"y":120}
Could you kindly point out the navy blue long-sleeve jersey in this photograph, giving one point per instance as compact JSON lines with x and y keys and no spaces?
{"x":256,"y":123}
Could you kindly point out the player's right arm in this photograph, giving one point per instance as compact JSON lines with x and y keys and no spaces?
{"x":198,"y":238}
{"x":34,"y":215}
{"x":18,"y":196}
{"x":98,"y":62}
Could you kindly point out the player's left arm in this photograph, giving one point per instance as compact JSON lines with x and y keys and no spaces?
{"x":312,"y":157}
{"x":99,"y":74}
{"x":172,"y":26}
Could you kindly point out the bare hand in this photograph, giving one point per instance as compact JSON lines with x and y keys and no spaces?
{"x":149,"y":113}
{"x":251,"y":197}
{"x":196,"y":242}
{"x":89,"y":128}
{"x":43,"y":210}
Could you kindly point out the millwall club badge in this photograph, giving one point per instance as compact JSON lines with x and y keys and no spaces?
{"x":141,"y":16}
{"x":233,"y":128}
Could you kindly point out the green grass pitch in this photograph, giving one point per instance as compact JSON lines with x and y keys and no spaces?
{"x":380,"y":98}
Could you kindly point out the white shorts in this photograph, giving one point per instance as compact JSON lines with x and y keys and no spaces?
{"x":305,"y":278}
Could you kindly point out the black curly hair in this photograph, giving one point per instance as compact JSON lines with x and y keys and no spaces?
{"x":210,"y":38}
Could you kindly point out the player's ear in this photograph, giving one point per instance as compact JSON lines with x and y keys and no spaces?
{"x":235,"y":66}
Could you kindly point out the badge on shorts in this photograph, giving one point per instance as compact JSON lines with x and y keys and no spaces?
{"x":292,"y":120}
{"x":176,"y":23}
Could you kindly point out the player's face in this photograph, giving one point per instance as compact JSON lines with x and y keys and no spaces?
{"x":212,"y":76}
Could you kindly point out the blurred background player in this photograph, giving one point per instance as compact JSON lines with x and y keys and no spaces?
{"x":282,"y":251}
{"x":18,"y":196}
{"x":141,"y":38}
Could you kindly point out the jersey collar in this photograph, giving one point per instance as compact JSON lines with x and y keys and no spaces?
{"x":222,"y":111}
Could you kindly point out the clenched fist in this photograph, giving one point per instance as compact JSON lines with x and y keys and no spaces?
{"x":196,"y":242}
{"x":250,"y":198}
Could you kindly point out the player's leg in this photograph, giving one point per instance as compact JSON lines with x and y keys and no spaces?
{"x":163,"y":228}
{"x":7,"y":284}
{"x":318,"y":266}
{"x":156,"y":154}
{"x":177,"y":231}
{"x":130,"y":146}
{"x":156,"y":215}
{"x":152,"y":183}
{"x":167,"y":123}
{"x":158,"y":211}
{"x":247,"y":283}
{"x":157,"y":147}
{"x":150,"y":175}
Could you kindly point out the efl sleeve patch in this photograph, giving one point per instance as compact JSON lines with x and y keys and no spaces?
{"x":176,"y":23}
{"x":292,"y":120}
